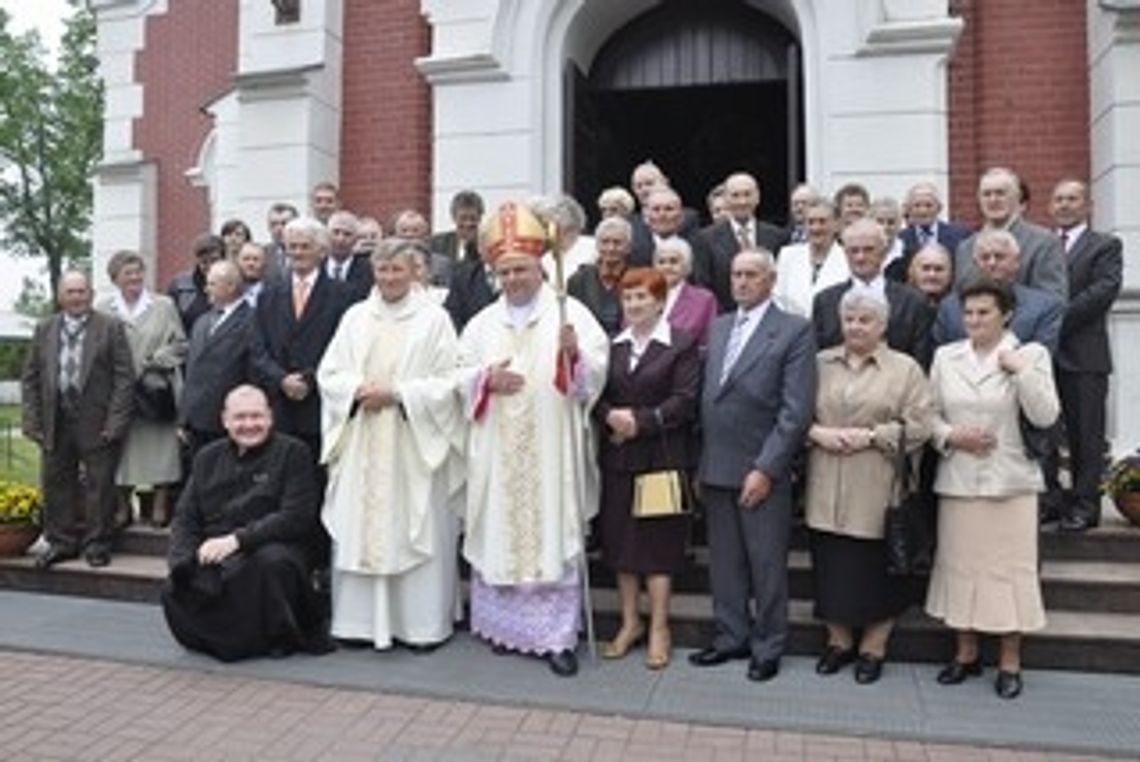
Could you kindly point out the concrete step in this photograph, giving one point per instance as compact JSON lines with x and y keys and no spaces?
{"x":1077,"y":585}
{"x":1073,"y":639}
{"x":128,"y":578}
{"x":142,"y":540}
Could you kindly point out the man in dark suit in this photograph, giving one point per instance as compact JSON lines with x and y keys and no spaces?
{"x":1036,"y":315}
{"x":461,"y":244}
{"x":188,"y":288}
{"x":77,"y":387}
{"x":650,"y":225}
{"x":756,"y":406}
{"x":473,"y":286}
{"x":343,"y":263}
{"x":908,"y":324}
{"x":277,"y":259}
{"x":295,"y":320}
{"x":218,"y":360}
{"x":1083,"y":359}
{"x":719,"y":242}
{"x":923,"y":205}
{"x":1042,"y":258}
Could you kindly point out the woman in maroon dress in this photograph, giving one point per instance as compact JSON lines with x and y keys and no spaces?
{"x":648,"y":410}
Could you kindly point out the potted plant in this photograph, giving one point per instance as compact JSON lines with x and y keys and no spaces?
{"x":1122,"y":484}
{"x":19,"y":517}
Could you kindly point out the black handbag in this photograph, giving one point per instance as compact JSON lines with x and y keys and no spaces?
{"x":154,"y":396}
{"x":901,"y":522}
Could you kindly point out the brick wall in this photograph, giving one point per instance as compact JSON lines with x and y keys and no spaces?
{"x":189,"y":57}
{"x":386,"y":128}
{"x":1019,"y":97}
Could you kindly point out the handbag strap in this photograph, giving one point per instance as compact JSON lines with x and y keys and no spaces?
{"x":685,"y":486}
{"x":902,"y":466}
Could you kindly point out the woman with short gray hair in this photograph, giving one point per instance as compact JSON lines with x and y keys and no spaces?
{"x":870,"y":398}
{"x":688,"y":308}
{"x":150,"y":462}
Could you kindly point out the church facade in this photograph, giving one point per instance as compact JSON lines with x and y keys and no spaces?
{"x":218,"y":108}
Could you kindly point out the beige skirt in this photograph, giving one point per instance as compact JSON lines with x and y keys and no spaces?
{"x":985,"y":570}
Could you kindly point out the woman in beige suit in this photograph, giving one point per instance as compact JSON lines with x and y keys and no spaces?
{"x":985,"y":570}
{"x":150,"y":458}
{"x":867,"y":392}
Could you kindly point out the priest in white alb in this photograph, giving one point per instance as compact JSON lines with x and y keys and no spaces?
{"x":530,"y":375}
{"x":392,"y":439}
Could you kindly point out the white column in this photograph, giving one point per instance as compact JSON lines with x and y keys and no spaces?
{"x":1114,"y":70}
{"x":124,"y":186}
{"x":284,"y":136}
{"x":875,"y":96}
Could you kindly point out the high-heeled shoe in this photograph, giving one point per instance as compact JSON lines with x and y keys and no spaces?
{"x":623,"y":642}
{"x":660,"y":649}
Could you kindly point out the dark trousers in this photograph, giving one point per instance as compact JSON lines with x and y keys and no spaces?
{"x":1083,"y":398}
{"x":748,"y":561}
{"x":65,"y":497}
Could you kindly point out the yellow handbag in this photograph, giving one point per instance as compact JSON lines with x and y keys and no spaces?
{"x":658,"y":494}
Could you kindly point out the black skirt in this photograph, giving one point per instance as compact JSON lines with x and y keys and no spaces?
{"x":851,"y":583}
{"x":252,"y":605}
{"x":638,"y":546}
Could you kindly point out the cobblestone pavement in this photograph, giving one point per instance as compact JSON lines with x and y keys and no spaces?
{"x":64,"y":708}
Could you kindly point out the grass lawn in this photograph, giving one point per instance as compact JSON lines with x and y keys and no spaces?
{"x":19,"y":458}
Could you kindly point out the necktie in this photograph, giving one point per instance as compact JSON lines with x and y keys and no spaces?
{"x":215,"y":321}
{"x":300,"y":297}
{"x":925,"y":233}
{"x":732,"y":350}
{"x":745,"y":236}
{"x":71,"y":363}
{"x":338,"y":270}
{"x":1065,"y":241}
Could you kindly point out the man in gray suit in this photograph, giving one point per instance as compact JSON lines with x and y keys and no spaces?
{"x":757,"y":404}
{"x":77,"y":390}
{"x":1042,"y":257}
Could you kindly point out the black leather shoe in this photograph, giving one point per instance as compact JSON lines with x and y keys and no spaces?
{"x":956,"y":672}
{"x":711,"y":656}
{"x":763,"y":670}
{"x":563,"y":663}
{"x":54,"y":555}
{"x":833,"y":660}
{"x":868,"y":669}
{"x":1077,"y":523}
{"x":1008,"y":684}
{"x":97,"y":557}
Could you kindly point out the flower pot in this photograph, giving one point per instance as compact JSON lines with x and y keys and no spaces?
{"x":1128,"y":503}
{"x":15,"y":539}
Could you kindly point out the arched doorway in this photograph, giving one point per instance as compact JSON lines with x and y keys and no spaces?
{"x":703,"y":89}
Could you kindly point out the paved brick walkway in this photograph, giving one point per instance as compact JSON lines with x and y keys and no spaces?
{"x":63,"y":708}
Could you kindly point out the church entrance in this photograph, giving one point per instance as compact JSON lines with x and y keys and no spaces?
{"x":702,"y":89}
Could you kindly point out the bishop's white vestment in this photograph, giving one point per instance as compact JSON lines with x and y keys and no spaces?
{"x":532,"y":474}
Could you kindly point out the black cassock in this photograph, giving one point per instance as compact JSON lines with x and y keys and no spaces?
{"x":260,"y":600}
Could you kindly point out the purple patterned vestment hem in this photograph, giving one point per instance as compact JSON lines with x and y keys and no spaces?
{"x":534,"y":618}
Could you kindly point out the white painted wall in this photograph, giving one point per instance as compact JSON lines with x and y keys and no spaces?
{"x":1114,"y":69}
{"x":873,"y":70}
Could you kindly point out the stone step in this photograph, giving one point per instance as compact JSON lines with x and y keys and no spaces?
{"x":1104,"y":586}
{"x":1073,"y":639}
{"x":128,"y":578}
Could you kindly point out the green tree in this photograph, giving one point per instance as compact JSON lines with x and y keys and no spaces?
{"x":51,"y":135}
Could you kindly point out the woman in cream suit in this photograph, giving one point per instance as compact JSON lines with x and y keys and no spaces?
{"x":985,"y":576}
{"x":805,"y":269}
{"x":150,"y":463}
